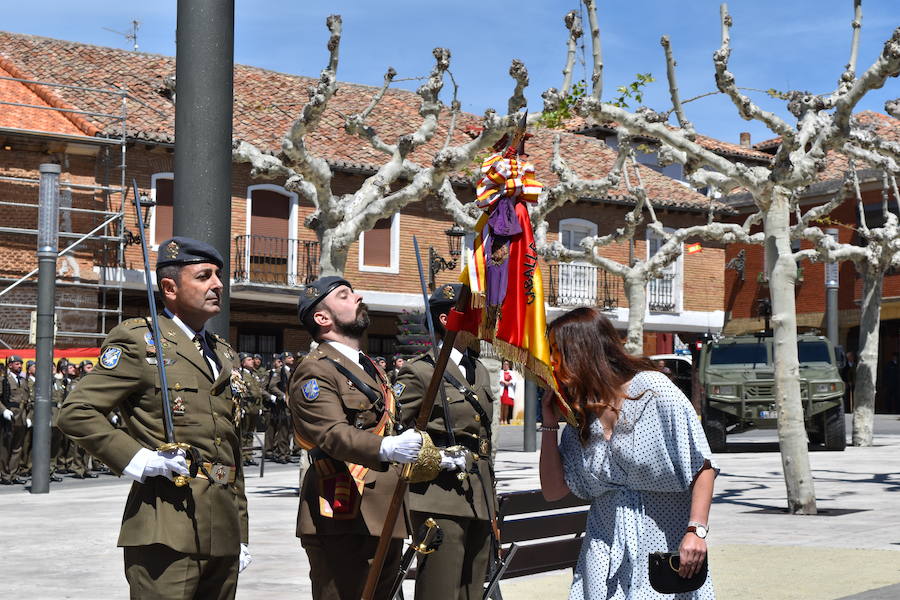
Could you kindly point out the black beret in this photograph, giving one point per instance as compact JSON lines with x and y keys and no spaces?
{"x":243,"y":355}
{"x":29,"y":363}
{"x":445,"y":296}
{"x":13,"y":358}
{"x":284,"y":355}
{"x":316,"y":291}
{"x":259,"y":356}
{"x":185,"y":251}
{"x":85,"y":362}
{"x":63,"y":363}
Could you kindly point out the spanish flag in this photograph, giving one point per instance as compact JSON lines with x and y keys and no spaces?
{"x":502,"y":273}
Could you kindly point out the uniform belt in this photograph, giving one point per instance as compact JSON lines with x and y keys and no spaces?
{"x":218,"y":473}
{"x":480,"y":447}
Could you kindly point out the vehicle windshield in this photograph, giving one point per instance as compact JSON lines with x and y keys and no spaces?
{"x":813,"y":352}
{"x":738,"y":354}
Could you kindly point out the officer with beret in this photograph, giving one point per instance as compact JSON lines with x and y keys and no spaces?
{"x":179,"y":542}
{"x":463,"y":506}
{"x":344,"y":414}
{"x":13,"y":428}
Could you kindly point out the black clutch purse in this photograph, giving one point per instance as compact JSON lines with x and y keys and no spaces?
{"x":664,"y":574}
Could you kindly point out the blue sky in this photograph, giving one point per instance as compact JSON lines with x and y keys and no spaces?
{"x":782,"y":44}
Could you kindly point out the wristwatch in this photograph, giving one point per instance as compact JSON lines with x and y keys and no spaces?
{"x":698,"y":529}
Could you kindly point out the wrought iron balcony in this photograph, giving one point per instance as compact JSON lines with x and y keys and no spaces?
{"x":661,"y":293}
{"x":571,"y":284}
{"x":265,"y":260}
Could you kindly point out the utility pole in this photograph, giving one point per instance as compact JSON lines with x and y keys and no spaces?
{"x":47,"y":252}
{"x":529,"y":427}
{"x":204,"y":65}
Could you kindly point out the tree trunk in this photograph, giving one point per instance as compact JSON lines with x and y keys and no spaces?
{"x":867,"y":367}
{"x":636,"y":290}
{"x":332,"y":256}
{"x":791,"y":430}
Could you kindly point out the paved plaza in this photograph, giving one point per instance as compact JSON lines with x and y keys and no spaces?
{"x":62,"y":545}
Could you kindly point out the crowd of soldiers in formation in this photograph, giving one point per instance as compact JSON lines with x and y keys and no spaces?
{"x":265,"y":410}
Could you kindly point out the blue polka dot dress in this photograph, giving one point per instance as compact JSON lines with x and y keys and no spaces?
{"x":639,"y":484}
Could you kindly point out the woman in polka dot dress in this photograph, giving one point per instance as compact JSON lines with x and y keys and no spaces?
{"x":639,"y":455}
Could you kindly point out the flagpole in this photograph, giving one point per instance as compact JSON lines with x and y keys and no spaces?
{"x":390,"y":519}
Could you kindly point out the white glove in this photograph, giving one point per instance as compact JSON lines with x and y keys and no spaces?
{"x":28,"y":423}
{"x":7,"y":414}
{"x":403,"y":448}
{"x":244,"y":559}
{"x":148,"y":463}
{"x":452,"y":461}
{"x":114,"y":419}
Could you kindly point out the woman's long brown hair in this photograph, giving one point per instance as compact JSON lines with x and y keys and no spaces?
{"x":594,"y":365}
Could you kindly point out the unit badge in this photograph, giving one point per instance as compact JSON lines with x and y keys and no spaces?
{"x":172,"y":250}
{"x":398,"y":389}
{"x":447,"y":290}
{"x":110,"y":357}
{"x":148,"y":338}
{"x":311,"y":389}
{"x":311,"y":292}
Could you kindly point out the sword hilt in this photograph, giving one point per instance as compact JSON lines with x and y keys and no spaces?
{"x":179,"y":480}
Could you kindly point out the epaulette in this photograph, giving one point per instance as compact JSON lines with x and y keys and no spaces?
{"x":136,"y":322}
{"x":418,"y":357}
{"x":219,"y":338}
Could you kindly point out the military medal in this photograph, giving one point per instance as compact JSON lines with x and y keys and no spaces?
{"x":178,"y":406}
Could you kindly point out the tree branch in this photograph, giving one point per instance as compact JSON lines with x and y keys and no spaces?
{"x":887,"y":65}
{"x":573,"y":24}
{"x":673,"y":88}
{"x":597,"y":76}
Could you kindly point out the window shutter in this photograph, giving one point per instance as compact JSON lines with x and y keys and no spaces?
{"x":165,"y":198}
{"x":377,"y":244}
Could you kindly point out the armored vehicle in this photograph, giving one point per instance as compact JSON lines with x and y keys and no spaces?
{"x":737,"y":379}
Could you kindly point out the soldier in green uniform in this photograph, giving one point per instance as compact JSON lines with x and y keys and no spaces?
{"x":252,"y":405}
{"x":462,"y":507}
{"x":179,"y":542}
{"x":279,"y":416}
{"x":79,"y":459}
{"x":344,"y":414}
{"x":13,"y":406}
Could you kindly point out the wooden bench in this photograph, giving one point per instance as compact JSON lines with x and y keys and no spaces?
{"x":546,"y":535}
{"x":542,"y":536}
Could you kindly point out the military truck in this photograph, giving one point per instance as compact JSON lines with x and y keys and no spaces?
{"x":737,"y":380}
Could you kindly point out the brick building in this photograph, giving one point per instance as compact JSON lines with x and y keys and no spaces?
{"x":746,"y":286}
{"x":112,"y":120}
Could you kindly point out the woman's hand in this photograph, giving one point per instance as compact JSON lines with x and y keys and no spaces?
{"x":691,"y":552}
{"x":548,"y":408}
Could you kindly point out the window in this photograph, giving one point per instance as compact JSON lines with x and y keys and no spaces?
{"x":162,"y":191}
{"x":379,"y":248}
{"x":253,"y":340}
{"x":664,"y":292}
{"x":577,"y":280}
{"x":269,"y":250}
{"x":382,"y":345}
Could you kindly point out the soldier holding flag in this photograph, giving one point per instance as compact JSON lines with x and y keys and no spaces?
{"x":179,"y":542}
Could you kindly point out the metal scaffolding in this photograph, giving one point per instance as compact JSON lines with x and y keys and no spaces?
{"x":107,"y":236}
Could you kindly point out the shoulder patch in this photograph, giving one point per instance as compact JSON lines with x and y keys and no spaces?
{"x":148,"y":338}
{"x":110,"y":357}
{"x":398,"y":388}
{"x":311,"y":389}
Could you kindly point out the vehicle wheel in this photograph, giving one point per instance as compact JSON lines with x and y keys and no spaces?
{"x":714,"y":427}
{"x":834,"y":428}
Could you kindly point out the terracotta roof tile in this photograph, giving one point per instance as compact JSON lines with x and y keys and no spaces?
{"x":266,"y":102}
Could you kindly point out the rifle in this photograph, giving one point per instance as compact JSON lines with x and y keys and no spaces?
{"x":168,"y":423}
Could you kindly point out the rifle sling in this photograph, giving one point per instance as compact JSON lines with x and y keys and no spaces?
{"x":468,"y":394}
{"x":369,"y":392}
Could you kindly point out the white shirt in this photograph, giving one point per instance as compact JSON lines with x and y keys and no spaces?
{"x":352,"y":354}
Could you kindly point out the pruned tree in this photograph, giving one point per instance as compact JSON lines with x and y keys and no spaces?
{"x":339,"y":219}
{"x":879,"y":252}
{"x":823,"y":124}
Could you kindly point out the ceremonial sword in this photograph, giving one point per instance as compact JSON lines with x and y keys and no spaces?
{"x":168,"y":423}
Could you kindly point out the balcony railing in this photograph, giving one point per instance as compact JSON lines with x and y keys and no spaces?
{"x":572,"y":284}
{"x":265,"y":260}
{"x":661,"y":293}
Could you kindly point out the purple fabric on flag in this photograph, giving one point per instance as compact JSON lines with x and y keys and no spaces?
{"x":502,"y":226}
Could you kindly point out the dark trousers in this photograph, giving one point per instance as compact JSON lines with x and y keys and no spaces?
{"x":458,"y":568}
{"x":157,"y":572}
{"x":12,"y":440}
{"x":339,"y":564}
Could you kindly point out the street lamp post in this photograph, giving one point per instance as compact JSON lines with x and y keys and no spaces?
{"x":47,"y":252}
{"x":831,"y":295}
